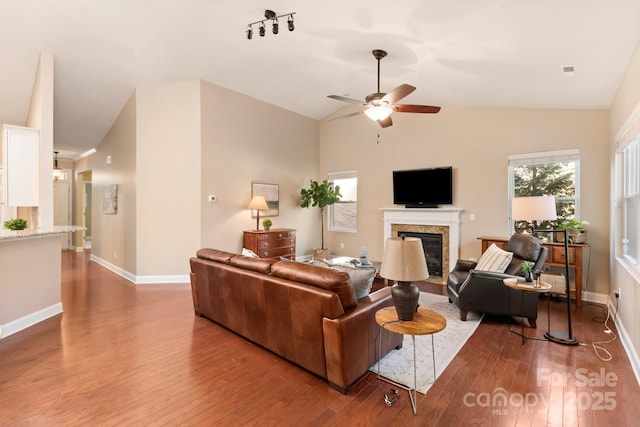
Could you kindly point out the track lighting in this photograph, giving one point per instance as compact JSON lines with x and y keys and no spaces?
{"x":270,"y":15}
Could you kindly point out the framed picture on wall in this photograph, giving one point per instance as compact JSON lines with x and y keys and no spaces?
{"x":271,"y":193}
{"x":110,"y":199}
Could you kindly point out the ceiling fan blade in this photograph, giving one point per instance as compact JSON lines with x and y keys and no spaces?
{"x":404,"y":108}
{"x":398,"y":93}
{"x":345,"y":116}
{"x":385,"y":123}
{"x":345,"y":99}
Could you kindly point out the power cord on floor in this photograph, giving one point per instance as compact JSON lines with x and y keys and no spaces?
{"x":598,"y":348}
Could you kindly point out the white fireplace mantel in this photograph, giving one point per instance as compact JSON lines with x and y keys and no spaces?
{"x":448,"y":217}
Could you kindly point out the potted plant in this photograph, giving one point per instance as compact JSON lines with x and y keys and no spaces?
{"x":527,"y":267}
{"x":321,"y":195}
{"x":267,"y":223}
{"x":15,"y":224}
{"x":576,"y":231}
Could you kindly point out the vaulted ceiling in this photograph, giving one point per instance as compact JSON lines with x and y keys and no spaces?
{"x":494,"y":53}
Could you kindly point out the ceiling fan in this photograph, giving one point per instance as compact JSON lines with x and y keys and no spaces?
{"x":379,"y":106}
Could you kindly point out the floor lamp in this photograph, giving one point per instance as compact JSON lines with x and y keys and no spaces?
{"x":543,"y":208}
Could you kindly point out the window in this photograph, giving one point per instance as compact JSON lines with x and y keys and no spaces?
{"x":631,"y":200}
{"x":555,"y":173}
{"x":342,"y":215}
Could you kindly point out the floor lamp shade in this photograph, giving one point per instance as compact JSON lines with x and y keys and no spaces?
{"x":259,"y":203}
{"x":534,"y":208}
{"x":404,"y":262}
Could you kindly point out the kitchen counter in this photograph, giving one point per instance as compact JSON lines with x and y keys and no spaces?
{"x":30,"y":276}
{"x":6,"y":234}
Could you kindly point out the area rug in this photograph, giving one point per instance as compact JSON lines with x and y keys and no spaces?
{"x":398,"y":364}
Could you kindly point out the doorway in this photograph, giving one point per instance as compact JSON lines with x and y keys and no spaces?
{"x":62,"y":207}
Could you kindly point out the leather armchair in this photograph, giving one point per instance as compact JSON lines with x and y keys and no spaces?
{"x":485,"y":292}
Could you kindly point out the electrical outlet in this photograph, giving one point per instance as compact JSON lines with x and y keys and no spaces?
{"x":617,"y":294}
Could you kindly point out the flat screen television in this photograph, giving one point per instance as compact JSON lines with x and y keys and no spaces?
{"x":423,"y":188}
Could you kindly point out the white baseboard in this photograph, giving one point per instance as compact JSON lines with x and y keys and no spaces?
{"x":595,"y":298}
{"x":629,"y":348}
{"x":140,"y":280}
{"x":29,"y":320}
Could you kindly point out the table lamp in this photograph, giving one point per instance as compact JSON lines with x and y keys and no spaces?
{"x":404,"y":262}
{"x":543,"y":208}
{"x":259,"y":204}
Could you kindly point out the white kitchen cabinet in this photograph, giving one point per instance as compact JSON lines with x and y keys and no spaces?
{"x":21,"y":165}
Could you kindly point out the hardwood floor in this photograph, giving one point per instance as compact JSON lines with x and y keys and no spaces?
{"x":136,"y":355}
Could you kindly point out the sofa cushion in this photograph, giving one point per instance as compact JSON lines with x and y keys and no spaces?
{"x":361,"y":277}
{"x":494,"y":259}
{"x":329,"y":279}
{"x":215,"y":255}
{"x":261,"y":265}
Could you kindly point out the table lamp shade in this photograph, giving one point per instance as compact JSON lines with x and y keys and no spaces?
{"x":534,"y":208}
{"x":258,"y":203}
{"x":403,"y":260}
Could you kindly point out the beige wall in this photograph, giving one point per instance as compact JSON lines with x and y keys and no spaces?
{"x":193,"y":139}
{"x":114,"y":236}
{"x":477,"y":143}
{"x":245,"y":140}
{"x":167,"y":177}
{"x":626,"y":100}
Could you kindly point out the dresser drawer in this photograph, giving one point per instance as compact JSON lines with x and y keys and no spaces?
{"x":277,"y":235}
{"x":288,"y":252}
{"x":557,"y":255}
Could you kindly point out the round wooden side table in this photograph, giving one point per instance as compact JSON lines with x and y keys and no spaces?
{"x":425,"y":322}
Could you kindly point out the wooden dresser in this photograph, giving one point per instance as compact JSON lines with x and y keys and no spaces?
{"x":275,"y":243}
{"x":555,"y":258}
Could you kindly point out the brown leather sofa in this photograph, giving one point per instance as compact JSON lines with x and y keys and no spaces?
{"x":485,"y":292}
{"x":309,"y":315}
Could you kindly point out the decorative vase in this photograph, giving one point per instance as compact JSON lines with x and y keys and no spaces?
{"x":405,"y":297}
{"x":528,"y":276}
{"x":267,"y":228}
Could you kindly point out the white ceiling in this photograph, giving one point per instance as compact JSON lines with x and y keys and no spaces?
{"x":492,"y":53}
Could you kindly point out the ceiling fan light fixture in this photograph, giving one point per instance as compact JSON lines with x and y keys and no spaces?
{"x":379,"y":112}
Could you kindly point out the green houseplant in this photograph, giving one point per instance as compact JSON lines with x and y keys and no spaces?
{"x":527,"y":267}
{"x":576,"y":231}
{"x":15,"y":224}
{"x":321,"y":195}
{"x":267,"y":223}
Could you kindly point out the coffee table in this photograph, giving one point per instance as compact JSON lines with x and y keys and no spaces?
{"x":425,"y":322}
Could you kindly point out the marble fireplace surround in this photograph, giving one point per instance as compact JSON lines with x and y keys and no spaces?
{"x":445,"y":221}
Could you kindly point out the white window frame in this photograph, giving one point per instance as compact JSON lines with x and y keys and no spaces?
{"x":628,"y":187}
{"x":331,"y":226}
{"x":558,"y":156}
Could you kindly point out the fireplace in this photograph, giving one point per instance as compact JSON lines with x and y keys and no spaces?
{"x":432,"y":245}
{"x":444,"y":222}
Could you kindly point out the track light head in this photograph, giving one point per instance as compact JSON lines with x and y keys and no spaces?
{"x":276,"y":26}
{"x":261,"y":29}
{"x":249,"y":33}
{"x":290,"y":23}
